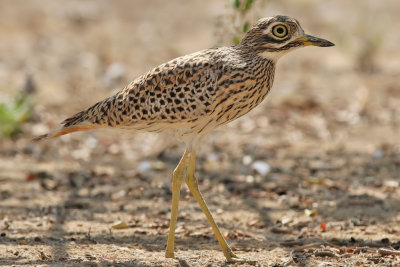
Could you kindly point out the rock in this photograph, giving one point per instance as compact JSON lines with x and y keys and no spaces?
{"x":391,"y":183}
{"x":261,"y":167}
{"x":246,"y":160}
{"x":144,"y":166}
{"x":114,"y":73}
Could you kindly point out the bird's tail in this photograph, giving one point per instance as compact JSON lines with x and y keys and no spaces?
{"x":96,"y":116}
{"x":65,"y":130}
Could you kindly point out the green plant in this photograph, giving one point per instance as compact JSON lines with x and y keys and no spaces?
{"x":240,"y":18}
{"x":14,"y":114}
{"x":231,"y":26}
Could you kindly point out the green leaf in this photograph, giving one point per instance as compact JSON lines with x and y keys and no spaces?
{"x":246,"y":27}
{"x":236,"y":40}
{"x":235,"y":3}
{"x":247,"y":5}
{"x":14,"y":114}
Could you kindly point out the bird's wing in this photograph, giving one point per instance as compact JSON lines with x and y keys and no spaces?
{"x":178,"y":91}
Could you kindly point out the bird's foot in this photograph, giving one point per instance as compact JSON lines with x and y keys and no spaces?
{"x":235,"y":259}
{"x":169,"y":254}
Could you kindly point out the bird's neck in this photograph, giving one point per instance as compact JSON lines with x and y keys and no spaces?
{"x":262,"y":74}
{"x":265,"y":54}
{"x":273,"y":56}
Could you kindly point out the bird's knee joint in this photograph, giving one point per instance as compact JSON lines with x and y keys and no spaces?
{"x":177,"y":179}
{"x":191,"y":181}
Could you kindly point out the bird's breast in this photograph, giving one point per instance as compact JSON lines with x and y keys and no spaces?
{"x":237,"y":94}
{"x":242,"y":91}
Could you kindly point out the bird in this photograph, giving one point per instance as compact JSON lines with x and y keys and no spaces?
{"x":191,"y":95}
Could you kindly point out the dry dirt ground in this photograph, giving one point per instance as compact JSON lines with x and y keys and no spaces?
{"x":309,"y":178}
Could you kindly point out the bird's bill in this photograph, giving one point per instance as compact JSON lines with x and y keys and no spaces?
{"x":311,"y":40}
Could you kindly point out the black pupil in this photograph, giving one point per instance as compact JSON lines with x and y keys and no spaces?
{"x":280,"y":30}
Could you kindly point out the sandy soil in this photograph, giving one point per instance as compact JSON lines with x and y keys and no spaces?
{"x":309,"y":178}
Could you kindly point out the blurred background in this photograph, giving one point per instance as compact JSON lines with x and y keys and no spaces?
{"x":319,"y":158}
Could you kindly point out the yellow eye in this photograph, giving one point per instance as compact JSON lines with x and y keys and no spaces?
{"x":280,"y":31}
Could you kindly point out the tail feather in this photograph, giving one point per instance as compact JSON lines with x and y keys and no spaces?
{"x":74,"y":120}
{"x":66,"y":130}
{"x":78,"y":122}
{"x":96,"y":116}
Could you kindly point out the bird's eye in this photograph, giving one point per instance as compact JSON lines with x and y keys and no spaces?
{"x":280,"y":31}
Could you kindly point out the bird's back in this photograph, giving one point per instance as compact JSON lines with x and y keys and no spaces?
{"x":189,"y":95}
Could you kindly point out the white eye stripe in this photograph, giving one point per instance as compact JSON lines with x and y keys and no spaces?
{"x":268,"y":30}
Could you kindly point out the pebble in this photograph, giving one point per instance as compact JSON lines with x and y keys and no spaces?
{"x":246,"y":160}
{"x":144,"y":166}
{"x":378,"y":153}
{"x":114,"y":73}
{"x":391,"y":183}
{"x":261,"y":167}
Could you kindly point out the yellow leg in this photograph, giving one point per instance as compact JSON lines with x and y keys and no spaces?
{"x":177,"y":180}
{"x":192,"y":183}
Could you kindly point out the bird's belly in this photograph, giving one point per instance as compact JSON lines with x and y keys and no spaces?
{"x":191,"y":129}
{"x":156,"y":127}
{"x":183,"y":130}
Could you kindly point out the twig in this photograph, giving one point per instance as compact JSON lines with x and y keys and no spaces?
{"x":111,"y":236}
{"x":307,"y":246}
{"x":384,"y":252}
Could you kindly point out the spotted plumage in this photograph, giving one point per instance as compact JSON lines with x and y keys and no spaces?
{"x":189,"y":95}
{"x":193,"y":94}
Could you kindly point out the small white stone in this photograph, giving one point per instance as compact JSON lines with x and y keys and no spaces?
{"x":39,"y":128}
{"x":378,"y":153}
{"x":261,"y":167}
{"x":144,"y":166}
{"x":246,"y":160}
{"x":82,"y":153}
{"x":91,"y":142}
{"x":391,"y":183}
{"x":212,"y":157}
{"x":114,"y":72}
{"x":249,"y":179}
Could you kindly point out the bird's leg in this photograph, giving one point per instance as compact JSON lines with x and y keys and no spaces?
{"x":192,"y":183}
{"x":177,"y":180}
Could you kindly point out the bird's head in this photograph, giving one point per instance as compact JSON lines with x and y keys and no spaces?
{"x":275,"y":36}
